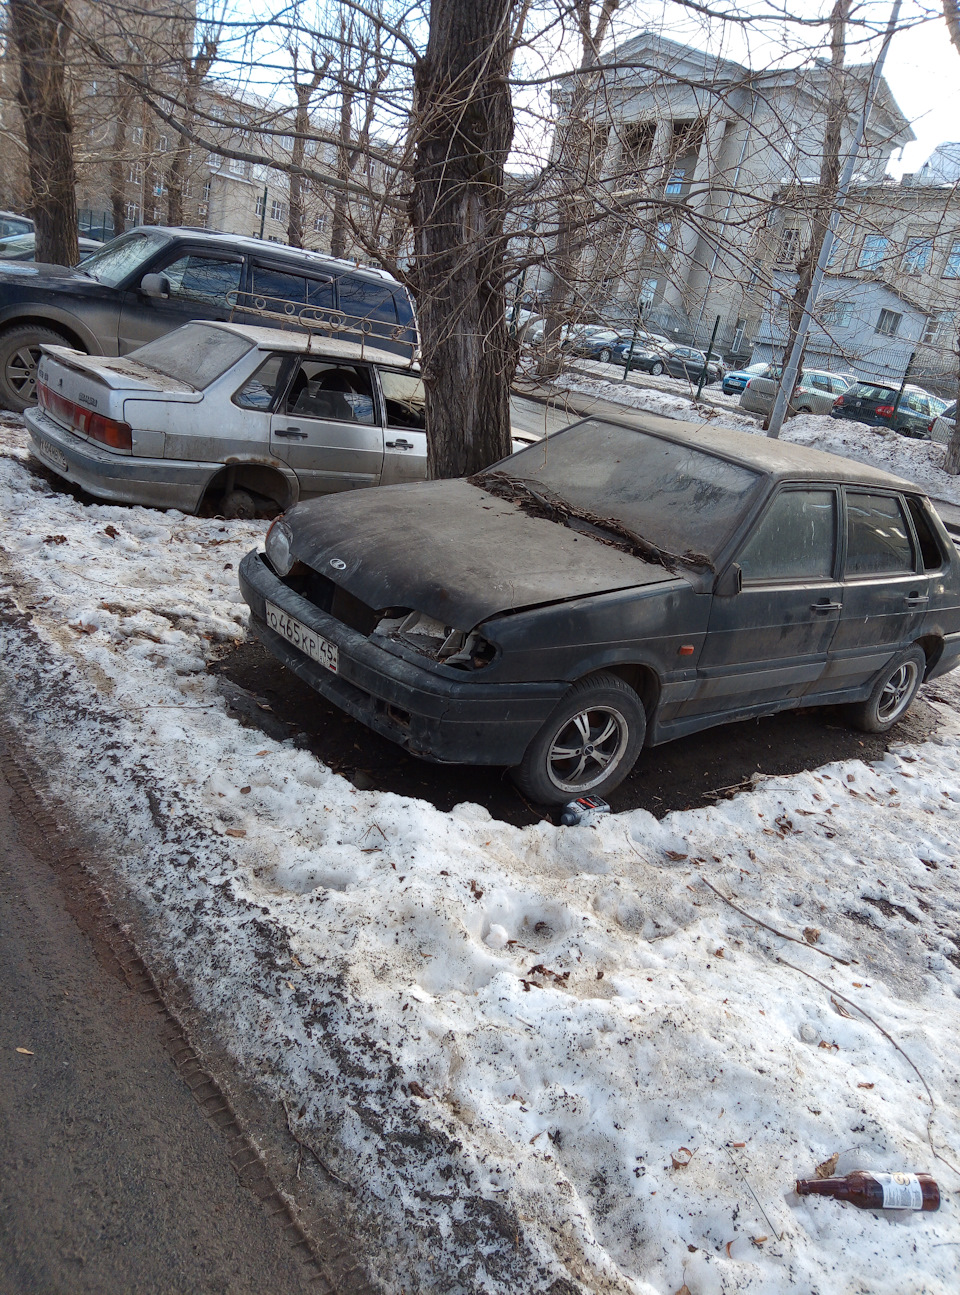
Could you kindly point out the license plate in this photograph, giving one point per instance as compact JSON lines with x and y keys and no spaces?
{"x":309,"y":642}
{"x":52,"y":454}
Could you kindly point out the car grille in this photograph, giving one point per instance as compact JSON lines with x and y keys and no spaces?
{"x":329,"y":597}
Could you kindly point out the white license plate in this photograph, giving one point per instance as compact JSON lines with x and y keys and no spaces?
{"x":51,"y":453}
{"x":309,"y":642}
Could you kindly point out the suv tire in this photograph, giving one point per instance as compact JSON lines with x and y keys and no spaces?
{"x":602,"y":723}
{"x":892,"y":694}
{"x":19,"y":356}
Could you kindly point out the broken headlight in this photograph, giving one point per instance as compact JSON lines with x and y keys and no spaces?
{"x":465,"y":650}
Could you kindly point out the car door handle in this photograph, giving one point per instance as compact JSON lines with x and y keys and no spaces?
{"x":399,"y":445}
{"x":294,"y":433}
{"x":825,"y":606}
{"x":916,"y":600}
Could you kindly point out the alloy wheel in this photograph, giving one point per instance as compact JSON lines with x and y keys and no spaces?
{"x":588,"y":748}
{"x":21,"y":371}
{"x":897,"y":691}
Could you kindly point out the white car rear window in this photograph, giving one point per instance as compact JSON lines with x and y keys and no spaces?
{"x":194,"y":354}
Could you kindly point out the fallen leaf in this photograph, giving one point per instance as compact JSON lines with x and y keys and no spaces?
{"x":758,"y":1241}
{"x":416,"y":1090}
{"x":55,"y":539}
{"x":826,"y":1168}
{"x":811,"y":934}
{"x":685,"y":1289}
{"x":864,"y":1085}
{"x":236,"y":831}
{"x":245,"y":791}
{"x":841,"y":1010}
{"x":26,"y":1052}
{"x":262,"y":752}
{"x":111,"y":531}
{"x":681,"y":1157}
{"x":718,"y":953}
{"x":675,"y":855}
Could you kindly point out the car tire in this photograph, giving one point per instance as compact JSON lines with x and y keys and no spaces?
{"x":892,"y":694}
{"x":804,"y":409}
{"x":656,"y":368}
{"x":601,"y":713}
{"x":19,"y":356}
{"x":605,"y":356}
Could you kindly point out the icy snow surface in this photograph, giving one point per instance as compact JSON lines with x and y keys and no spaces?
{"x":502,"y":1038}
{"x":917,"y":461}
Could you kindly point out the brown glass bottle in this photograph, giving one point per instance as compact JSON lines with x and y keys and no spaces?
{"x":876,"y":1191}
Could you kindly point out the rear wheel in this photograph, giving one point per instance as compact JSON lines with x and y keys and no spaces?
{"x":804,"y":409}
{"x":587,"y":746}
{"x":656,"y":368}
{"x":606,"y":355}
{"x":19,"y":357}
{"x":892,"y":693}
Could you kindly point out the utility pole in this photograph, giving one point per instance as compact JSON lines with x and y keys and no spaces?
{"x":788,"y":377}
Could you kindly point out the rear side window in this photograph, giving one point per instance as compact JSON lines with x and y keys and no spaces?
{"x":795,"y":539}
{"x":878,"y":538}
{"x":930,"y":553}
{"x":195,"y":354}
{"x":274,"y":290}
{"x":366,"y":300}
{"x":404,"y":309}
{"x":259,"y":391}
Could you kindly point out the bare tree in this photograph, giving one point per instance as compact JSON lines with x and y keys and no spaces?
{"x":304,"y":91}
{"x":196,"y":66}
{"x":40,"y":30}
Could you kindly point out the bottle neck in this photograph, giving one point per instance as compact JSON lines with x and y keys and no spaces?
{"x":838,"y":1187}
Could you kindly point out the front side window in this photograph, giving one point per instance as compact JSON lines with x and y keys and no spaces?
{"x":339,"y":393}
{"x":795,"y":539}
{"x":259,"y":391}
{"x":405,"y":399}
{"x":204,"y":278}
{"x":878,"y":539}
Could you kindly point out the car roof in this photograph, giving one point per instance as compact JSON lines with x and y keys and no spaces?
{"x":305,"y":342}
{"x":781,"y":460}
{"x":245,"y":243}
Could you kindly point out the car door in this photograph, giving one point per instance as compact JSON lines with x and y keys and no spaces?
{"x":885,"y":590}
{"x":913,"y":412}
{"x":405,"y":437}
{"x":201,"y":285}
{"x":767,"y":644}
{"x":327,"y":427}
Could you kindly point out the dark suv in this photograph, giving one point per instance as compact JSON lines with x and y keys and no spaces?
{"x":875,"y":404}
{"x":153,"y":279}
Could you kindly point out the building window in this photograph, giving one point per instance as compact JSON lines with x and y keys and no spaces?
{"x":206,"y":190}
{"x":754,"y":277}
{"x":663,"y":235}
{"x":260,"y":202}
{"x":647,"y":292}
{"x":157,"y":215}
{"x":916,"y":258}
{"x":936,"y":326}
{"x":132,"y":213}
{"x":319,"y":224}
{"x":161,"y":143}
{"x":836,"y":314}
{"x":873,"y":253}
{"x":137,"y":136}
{"x":135,"y":173}
{"x":952,"y":268}
{"x":675,"y":184}
{"x":272,"y":238}
{"x":888,"y":323}
{"x":278,"y":209}
{"x":237,"y":167}
{"x":789,"y":248}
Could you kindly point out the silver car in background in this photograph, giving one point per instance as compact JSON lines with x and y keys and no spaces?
{"x":814,"y":393}
{"x":229,"y":417}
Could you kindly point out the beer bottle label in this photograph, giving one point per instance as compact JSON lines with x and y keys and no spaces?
{"x":900,"y":1191}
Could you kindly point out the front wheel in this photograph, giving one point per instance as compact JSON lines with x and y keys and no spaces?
{"x":606,"y":355}
{"x":656,"y":368}
{"x":587,"y":746}
{"x":19,"y":357}
{"x":892,"y":693}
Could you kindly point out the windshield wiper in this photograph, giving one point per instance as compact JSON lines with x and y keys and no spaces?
{"x":539,"y":501}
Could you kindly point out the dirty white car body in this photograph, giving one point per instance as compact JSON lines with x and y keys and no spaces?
{"x":237,"y":415}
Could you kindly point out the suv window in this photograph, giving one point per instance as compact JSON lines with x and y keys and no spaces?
{"x":209,"y":279}
{"x":339,"y":392}
{"x":405,"y":399}
{"x":795,"y":539}
{"x":366,"y":300}
{"x":281,"y":292}
{"x":878,"y":538}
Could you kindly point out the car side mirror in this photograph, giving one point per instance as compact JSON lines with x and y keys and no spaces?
{"x":729,"y":582}
{"x":155,"y":285}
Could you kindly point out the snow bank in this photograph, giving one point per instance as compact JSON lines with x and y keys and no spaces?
{"x":507,"y":1042}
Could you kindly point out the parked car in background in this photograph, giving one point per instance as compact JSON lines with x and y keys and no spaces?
{"x":11,"y":224}
{"x":228,"y":416}
{"x":645,"y":356}
{"x":468,"y":621}
{"x":21,"y":247}
{"x":735,"y":381}
{"x":149,"y":281}
{"x":688,"y":362}
{"x":942,"y":426}
{"x":815,"y":393}
{"x":881,"y":405}
{"x":595,"y":343}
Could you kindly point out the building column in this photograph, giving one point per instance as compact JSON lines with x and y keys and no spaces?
{"x":690,"y":234}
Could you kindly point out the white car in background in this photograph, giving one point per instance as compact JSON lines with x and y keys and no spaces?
{"x":815,"y":393}
{"x":230,"y":417}
{"x":942,"y":426}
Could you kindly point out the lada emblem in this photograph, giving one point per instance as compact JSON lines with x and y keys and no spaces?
{"x":338,"y":564}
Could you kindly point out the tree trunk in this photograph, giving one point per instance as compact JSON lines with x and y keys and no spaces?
{"x":338,"y":226}
{"x":195,"y":71}
{"x":119,"y":162}
{"x":464,"y":127}
{"x":295,"y":222}
{"x":40,"y":29}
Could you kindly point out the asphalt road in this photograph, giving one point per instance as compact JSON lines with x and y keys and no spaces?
{"x":113,"y":1181}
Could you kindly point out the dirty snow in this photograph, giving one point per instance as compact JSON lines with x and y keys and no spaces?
{"x":918,"y":461}
{"x":501,"y":1039}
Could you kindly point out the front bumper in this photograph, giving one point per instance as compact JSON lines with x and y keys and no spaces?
{"x":423,"y":710}
{"x":120,"y":478}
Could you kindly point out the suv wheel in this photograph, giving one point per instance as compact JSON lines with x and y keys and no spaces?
{"x":19,"y":357}
{"x":892,"y":693}
{"x":587,"y":746}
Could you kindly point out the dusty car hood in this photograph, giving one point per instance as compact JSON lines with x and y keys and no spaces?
{"x":455,"y":552}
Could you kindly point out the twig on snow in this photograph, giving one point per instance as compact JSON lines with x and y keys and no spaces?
{"x":767,"y":927}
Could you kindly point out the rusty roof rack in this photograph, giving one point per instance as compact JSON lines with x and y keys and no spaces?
{"x":324,"y":320}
